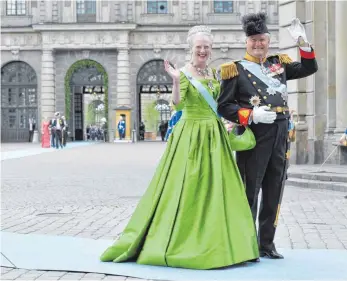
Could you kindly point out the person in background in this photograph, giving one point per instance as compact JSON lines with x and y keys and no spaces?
{"x":343,"y":139}
{"x":104,"y":128}
{"x":121,"y":128}
{"x":65,"y":131}
{"x":32,"y":125}
{"x":163,"y":129}
{"x":57,"y":127}
{"x":52,"y":132}
{"x":45,"y":133}
{"x":142,"y":131}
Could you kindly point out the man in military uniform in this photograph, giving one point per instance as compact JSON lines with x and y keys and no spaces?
{"x":254,"y":93}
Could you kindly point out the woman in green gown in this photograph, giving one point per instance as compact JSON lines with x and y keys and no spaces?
{"x":194,"y":213}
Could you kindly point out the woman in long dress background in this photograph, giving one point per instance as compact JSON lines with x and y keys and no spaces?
{"x":194,"y":213}
{"x":45,"y":133}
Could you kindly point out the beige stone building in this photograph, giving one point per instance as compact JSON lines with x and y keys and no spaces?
{"x":320,"y":100}
{"x":55,"y":54}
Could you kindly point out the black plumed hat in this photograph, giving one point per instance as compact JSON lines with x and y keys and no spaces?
{"x":254,"y":24}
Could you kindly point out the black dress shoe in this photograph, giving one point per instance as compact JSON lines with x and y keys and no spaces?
{"x":272,"y":254}
{"x":255,"y":260}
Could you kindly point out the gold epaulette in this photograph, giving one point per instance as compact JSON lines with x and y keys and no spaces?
{"x":284,"y":58}
{"x":228,"y":70}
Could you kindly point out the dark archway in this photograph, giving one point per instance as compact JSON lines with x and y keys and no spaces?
{"x":18,"y":101}
{"x":86,"y":82}
{"x":154,"y":88}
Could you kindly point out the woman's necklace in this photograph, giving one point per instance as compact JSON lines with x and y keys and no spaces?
{"x":205,"y":72}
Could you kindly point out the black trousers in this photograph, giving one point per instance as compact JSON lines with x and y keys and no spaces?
{"x":64,"y":136}
{"x":162,"y":134}
{"x":31,"y":134}
{"x":264,"y":167}
{"x":58,"y":139}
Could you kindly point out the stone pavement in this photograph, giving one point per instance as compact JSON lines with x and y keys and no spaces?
{"x":333,"y":177}
{"x":13,"y":151}
{"x":91,"y":191}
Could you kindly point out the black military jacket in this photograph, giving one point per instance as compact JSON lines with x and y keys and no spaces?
{"x":239,"y":85}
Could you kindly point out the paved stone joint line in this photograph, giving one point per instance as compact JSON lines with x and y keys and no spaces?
{"x":98,"y":187}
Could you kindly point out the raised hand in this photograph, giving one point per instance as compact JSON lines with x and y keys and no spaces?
{"x":297,"y":30}
{"x":172,"y":71}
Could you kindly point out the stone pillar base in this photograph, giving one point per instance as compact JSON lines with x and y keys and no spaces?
{"x":110,"y":136}
{"x":300,"y":148}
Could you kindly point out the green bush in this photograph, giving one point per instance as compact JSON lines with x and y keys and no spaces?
{"x":151,"y":117}
{"x":74,"y":67}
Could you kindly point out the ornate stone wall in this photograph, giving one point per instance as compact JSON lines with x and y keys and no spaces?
{"x":121,"y":40}
{"x":319,"y":99}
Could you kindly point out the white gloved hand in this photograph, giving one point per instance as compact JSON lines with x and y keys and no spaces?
{"x":263,"y":115}
{"x":297,"y":30}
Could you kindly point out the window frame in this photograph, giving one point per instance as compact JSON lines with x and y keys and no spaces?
{"x":157,"y":2}
{"x":88,"y":13}
{"x":16,"y":2}
{"x":223,"y":2}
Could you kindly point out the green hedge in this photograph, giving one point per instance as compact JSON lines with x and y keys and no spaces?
{"x":76,"y":66}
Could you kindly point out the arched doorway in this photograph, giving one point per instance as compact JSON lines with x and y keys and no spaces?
{"x":18,"y":101}
{"x":154,"y":87}
{"x":163,"y":107}
{"x":87,"y":99}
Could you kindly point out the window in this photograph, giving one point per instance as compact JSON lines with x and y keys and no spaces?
{"x":86,"y":10}
{"x":164,"y":110}
{"x":18,"y":100}
{"x":223,"y":7}
{"x":16,"y":8}
{"x":156,"y":7}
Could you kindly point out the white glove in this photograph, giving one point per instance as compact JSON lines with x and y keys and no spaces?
{"x":263,"y":115}
{"x":297,"y":30}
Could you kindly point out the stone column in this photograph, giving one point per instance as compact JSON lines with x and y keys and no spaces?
{"x":122,"y":104}
{"x":123,"y":77}
{"x":319,"y":105}
{"x":331,"y":66}
{"x":341,"y":73}
{"x":300,"y":91}
{"x":47,"y":84}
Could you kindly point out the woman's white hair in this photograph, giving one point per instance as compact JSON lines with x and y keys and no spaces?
{"x":198,"y":30}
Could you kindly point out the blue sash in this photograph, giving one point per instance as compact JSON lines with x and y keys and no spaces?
{"x":255,"y":69}
{"x":203,"y":91}
{"x":172,"y":123}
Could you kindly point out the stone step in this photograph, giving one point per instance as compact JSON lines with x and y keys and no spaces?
{"x":317,"y":184}
{"x":321,"y":176}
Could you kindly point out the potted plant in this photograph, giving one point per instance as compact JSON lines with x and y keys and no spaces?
{"x":151,"y":121}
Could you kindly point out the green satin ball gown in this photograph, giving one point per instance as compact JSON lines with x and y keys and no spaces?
{"x":194,"y":213}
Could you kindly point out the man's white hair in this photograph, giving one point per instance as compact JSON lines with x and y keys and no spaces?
{"x":268,"y":35}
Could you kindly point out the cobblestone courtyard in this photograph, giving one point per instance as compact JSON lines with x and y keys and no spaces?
{"x":91,"y":192}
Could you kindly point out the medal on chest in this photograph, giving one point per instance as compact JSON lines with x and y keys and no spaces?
{"x":274,"y":84}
